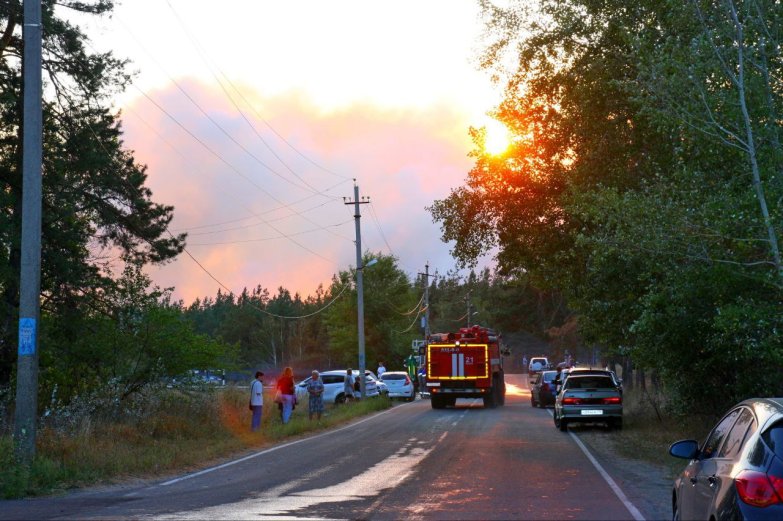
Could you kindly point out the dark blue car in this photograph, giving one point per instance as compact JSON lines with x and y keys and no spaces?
{"x":737,"y":473}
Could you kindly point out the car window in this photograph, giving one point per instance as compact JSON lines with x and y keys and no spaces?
{"x":549,"y":376}
{"x":774,"y":439}
{"x":718,"y":434}
{"x":589,"y":382}
{"x":333,"y":379}
{"x":737,"y":435}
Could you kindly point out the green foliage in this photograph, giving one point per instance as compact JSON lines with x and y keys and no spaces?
{"x":138,"y":340}
{"x":95,"y":202}
{"x":644,"y":183}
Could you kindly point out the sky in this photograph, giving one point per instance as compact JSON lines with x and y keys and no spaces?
{"x":256,"y":118}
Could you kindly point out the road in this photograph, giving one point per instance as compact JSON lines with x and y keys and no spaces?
{"x":408,"y":462}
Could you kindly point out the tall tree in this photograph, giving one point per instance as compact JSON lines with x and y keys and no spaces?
{"x":96,"y":208}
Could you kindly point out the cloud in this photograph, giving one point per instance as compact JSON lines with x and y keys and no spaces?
{"x":262,"y":199}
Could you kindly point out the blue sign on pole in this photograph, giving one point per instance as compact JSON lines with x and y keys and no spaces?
{"x":26,"y":336}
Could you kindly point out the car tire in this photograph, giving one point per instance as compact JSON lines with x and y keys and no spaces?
{"x":563,"y":425}
{"x":532,"y":401}
{"x":339,"y":399}
{"x":617,"y":424}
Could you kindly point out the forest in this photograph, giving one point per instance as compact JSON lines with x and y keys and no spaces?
{"x":637,"y":214}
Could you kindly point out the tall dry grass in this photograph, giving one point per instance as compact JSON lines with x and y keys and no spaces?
{"x":167,"y":432}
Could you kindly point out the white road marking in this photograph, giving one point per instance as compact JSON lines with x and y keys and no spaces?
{"x":267,"y":451}
{"x":615,"y":488}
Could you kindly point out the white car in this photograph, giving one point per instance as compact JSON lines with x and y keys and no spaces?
{"x":334,"y":385}
{"x":399,"y":384}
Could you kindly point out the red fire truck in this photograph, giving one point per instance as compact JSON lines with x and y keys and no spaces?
{"x":466,"y":364}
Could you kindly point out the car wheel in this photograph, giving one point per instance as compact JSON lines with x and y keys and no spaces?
{"x":532,"y":402}
{"x":339,"y":399}
{"x":617,"y":424}
{"x":563,"y":425}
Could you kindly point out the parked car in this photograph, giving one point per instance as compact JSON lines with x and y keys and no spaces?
{"x":399,"y":385}
{"x":589,"y":399}
{"x":542,"y":392}
{"x":536,"y":365}
{"x":334,"y":385}
{"x":737,"y":473}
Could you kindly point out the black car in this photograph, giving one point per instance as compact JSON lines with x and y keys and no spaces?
{"x":542,"y":393}
{"x":737,"y":473}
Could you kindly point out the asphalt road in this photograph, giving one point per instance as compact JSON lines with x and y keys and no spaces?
{"x":409,"y":462}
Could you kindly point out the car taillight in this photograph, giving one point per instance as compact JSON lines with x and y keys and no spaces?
{"x":758,"y":489}
{"x":407,"y":380}
{"x":613,"y":400}
{"x":570,"y":400}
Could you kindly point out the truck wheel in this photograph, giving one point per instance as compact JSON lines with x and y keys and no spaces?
{"x":437,"y":402}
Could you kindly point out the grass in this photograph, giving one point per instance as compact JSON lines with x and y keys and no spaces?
{"x":181,"y":431}
{"x":647,"y":437}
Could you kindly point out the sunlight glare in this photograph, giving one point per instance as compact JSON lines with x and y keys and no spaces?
{"x":497,"y":138}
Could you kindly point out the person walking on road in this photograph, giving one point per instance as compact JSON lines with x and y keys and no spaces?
{"x":315,"y":390}
{"x":348,"y":385}
{"x":256,"y":401}
{"x":287,"y":393}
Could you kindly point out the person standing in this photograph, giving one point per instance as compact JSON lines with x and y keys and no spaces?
{"x":256,"y":401}
{"x":381,"y":369}
{"x":315,"y":390}
{"x":348,"y":385}
{"x":285,"y":384}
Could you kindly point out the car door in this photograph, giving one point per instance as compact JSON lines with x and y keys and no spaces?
{"x":698,"y":492}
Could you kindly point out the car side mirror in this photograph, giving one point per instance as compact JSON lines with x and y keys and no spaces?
{"x":685,"y":449}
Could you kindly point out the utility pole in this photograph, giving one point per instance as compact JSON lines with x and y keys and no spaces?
{"x":467,"y":299}
{"x":359,"y":280}
{"x":26,"y":414}
{"x":427,"y":276}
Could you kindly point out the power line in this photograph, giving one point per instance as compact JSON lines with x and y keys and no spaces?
{"x":209,"y":149}
{"x":202,"y":55}
{"x":205,"y":270}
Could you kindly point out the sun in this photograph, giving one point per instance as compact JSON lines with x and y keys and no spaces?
{"x":497,"y":138}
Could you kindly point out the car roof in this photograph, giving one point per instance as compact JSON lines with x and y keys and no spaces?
{"x":765,"y":408}
{"x":395,"y":372}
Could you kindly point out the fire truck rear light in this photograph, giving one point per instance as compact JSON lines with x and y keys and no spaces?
{"x":757,"y":489}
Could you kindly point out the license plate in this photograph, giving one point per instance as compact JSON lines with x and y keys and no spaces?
{"x":592,"y":412}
